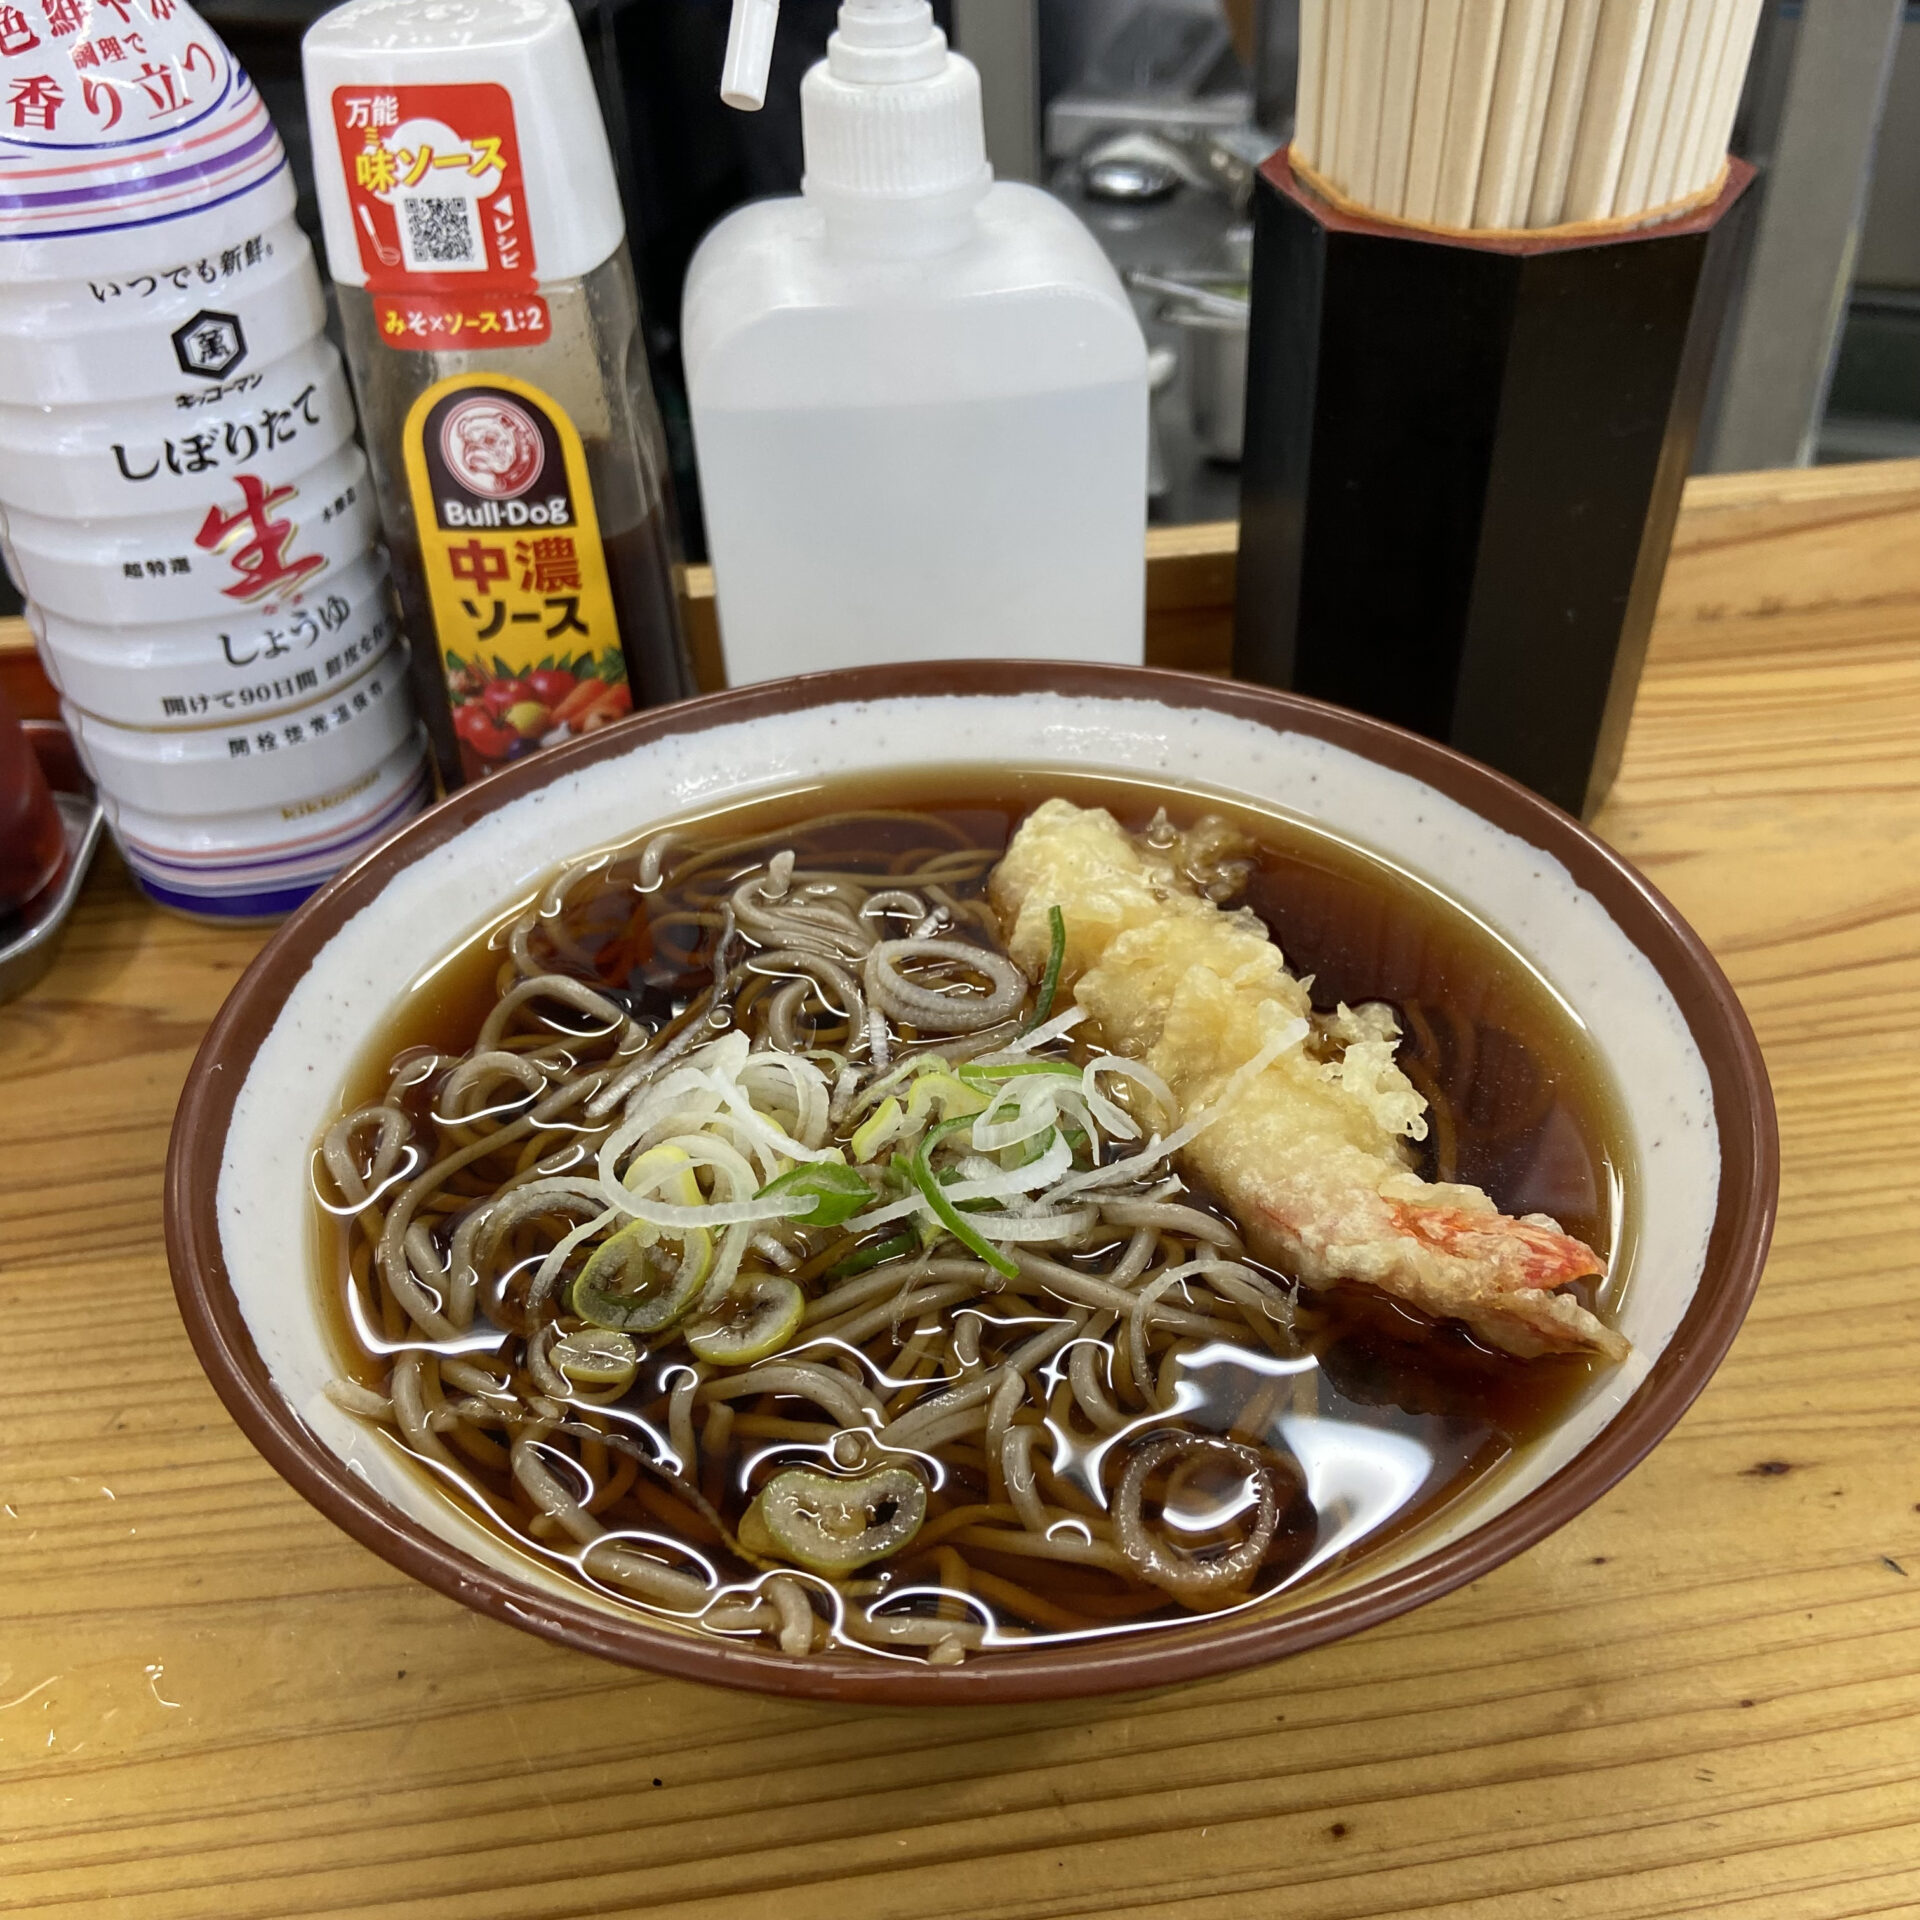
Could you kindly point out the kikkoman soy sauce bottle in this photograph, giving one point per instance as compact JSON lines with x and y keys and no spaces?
{"x":181,"y":499}
{"x":475,"y":237}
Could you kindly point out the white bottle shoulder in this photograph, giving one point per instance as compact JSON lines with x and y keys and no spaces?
{"x":774,"y":315}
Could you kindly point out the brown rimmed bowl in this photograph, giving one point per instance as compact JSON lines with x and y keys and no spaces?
{"x":1661,"y":1014}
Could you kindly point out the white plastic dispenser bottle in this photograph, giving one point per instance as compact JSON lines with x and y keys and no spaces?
{"x":919,"y":397}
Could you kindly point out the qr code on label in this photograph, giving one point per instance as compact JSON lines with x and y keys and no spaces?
{"x":439,"y":234}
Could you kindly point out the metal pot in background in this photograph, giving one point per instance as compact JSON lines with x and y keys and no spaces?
{"x":1210,"y":310}
{"x":1215,"y":355}
{"x":1167,"y":206}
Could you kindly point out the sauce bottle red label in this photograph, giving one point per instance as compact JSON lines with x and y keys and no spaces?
{"x":439,"y":208}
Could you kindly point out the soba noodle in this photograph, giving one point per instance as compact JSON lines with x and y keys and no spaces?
{"x":775,"y":1259}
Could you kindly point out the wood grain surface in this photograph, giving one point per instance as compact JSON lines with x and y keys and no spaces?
{"x":1701,"y":1698}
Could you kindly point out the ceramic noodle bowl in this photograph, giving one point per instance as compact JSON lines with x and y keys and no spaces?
{"x":1663,"y":1026}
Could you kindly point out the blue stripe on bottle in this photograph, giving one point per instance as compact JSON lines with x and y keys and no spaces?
{"x":270,"y":903}
{"x":214,"y":891}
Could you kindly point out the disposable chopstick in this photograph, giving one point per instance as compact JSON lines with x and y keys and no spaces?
{"x":1476,"y":61}
{"x":1504,"y":114}
{"x":1332,"y":82}
{"x":1673,"y":145}
{"x":1613,"y":83}
{"x":1366,"y":63}
{"x":1397,"y":103}
{"x":1432,"y":101}
{"x":1512,"y":125}
{"x":1650,"y":109}
{"x":1729,"y":83}
{"x":1685,"y":176}
{"x":1313,"y":67}
{"x":1546,"y":207}
{"x":1536,"y":129}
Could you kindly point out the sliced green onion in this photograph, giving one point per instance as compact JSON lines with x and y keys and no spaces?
{"x":987,"y":1078}
{"x":946,"y":1212}
{"x":837,"y":1192}
{"x":834,"y":1526}
{"x":877,"y":1129}
{"x":596,"y":1357}
{"x":1050,"y":980}
{"x":629,"y":1285}
{"x":867,"y":1258}
{"x":1023,"y":1153}
{"x":955,"y":1099}
{"x":750,"y":1323}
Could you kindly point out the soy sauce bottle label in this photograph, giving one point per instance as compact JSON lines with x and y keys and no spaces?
{"x":514,"y":568}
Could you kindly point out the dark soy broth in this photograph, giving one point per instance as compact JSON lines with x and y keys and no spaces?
{"x":1390,"y":1416}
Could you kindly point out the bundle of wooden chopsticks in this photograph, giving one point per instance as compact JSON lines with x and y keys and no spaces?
{"x":1519,"y":114}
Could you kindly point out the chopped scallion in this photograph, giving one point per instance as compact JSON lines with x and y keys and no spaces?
{"x":865,"y":1258}
{"x":837,"y":1192}
{"x":946,"y":1212}
{"x":1050,"y":980}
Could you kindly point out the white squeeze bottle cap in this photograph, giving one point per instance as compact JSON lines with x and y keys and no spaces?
{"x":529,"y":48}
{"x":891,"y":119}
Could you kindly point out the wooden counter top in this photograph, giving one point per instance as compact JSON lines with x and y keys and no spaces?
{"x":1701,"y":1698}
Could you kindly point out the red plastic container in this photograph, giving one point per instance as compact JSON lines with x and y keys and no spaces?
{"x":33,"y":843}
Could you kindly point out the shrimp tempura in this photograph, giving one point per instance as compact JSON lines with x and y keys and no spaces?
{"x":1311,"y":1156}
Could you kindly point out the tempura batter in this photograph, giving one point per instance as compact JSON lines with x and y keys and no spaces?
{"x":1311,"y":1157}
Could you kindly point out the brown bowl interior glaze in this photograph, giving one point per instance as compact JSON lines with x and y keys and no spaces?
{"x":1736,"y":1252}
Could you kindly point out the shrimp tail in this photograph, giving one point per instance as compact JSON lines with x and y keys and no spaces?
{"x":1509,"y":1269}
